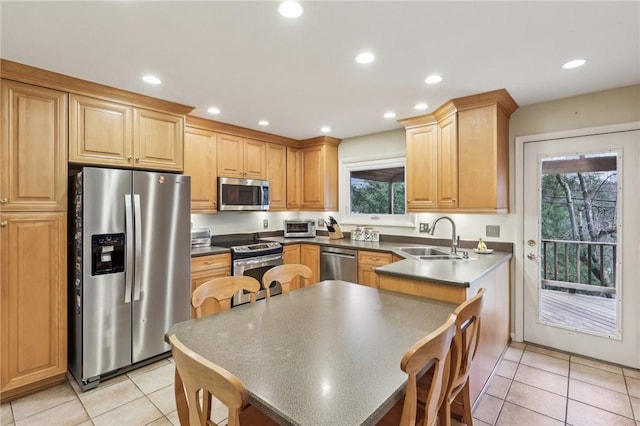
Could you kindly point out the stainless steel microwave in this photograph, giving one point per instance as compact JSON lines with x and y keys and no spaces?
{"x":242,"y":194}
{"x":296,"y":228}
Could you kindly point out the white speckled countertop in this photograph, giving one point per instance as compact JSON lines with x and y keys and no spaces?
{"x":454,"y":272}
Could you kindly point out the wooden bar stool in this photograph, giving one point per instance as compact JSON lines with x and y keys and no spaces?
{"x":285,"y":274}
{"x":463,"y":350}
{"x":199,"y":373}
{"x":220,"y":290}
{"x":433,"y":348}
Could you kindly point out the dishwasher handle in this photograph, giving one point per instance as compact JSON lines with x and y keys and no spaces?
{"x":332,"y":253}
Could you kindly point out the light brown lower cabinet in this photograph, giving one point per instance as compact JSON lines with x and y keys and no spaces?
{"x":494,"y":331}
{"x":310,"y":256}
{"x":205,"y":268}
{"x":33,"y":302}
{"x":368,"y":261}
{"x":291,"y":254}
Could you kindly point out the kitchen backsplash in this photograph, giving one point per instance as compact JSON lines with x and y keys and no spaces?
{"x":468,"y":226}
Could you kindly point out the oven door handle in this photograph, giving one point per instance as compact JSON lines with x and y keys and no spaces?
{"x":259,"y":261}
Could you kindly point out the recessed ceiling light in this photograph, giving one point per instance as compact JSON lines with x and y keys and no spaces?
{"x":389,"y":114}
{"x":213,"y":110}
{"x":421,"y":106}
{"x":365,"y":58}
{"x":290,"y":9}
{"x":574,"y":64}
{"x":152,"y":79}
{"x":325,"y":129}
{"x":433,"y":79}
{"x":263,"y":122}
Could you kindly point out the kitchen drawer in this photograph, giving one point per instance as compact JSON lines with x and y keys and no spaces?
{"x":374,"y":258}
{"x":211,"y":262}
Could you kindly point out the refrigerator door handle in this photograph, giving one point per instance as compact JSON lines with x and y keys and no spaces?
{"x":128,"y":214}
{"x":138,"y":253}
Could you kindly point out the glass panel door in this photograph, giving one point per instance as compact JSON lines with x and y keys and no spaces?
{"x":581,"y":251}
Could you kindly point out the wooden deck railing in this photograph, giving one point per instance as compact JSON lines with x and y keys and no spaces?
{"x":584,"y":266}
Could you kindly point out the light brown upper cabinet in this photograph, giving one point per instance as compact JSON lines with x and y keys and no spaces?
{"x":103,"y":132}
{"x":241,"y":157}
{"x":320,"y":177}
{"x":33,"y":148}
{"x":200,"y":164}
{"x":447,"y":180}
{"x":422,"y":167}
{"x":294,"y":178}
{"x":277,"y":176}
{"x":483,"y":157}
{"x":470,"y":173}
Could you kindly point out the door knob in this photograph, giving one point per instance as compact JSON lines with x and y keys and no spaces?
{"x":531,"y":243}
{"x":533,"y":256}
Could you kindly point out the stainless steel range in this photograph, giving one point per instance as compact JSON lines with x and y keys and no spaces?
{"x":254,"y":259}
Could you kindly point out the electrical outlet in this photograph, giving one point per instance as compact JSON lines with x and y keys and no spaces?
{"x":321,"y":222}
{"x":424,"y":227}
{"x":493,"y":230}
{"x":265,"y":223}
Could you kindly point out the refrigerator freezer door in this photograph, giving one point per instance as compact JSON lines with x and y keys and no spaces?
{"x":162,"y":295}
{"x":106,"y":317}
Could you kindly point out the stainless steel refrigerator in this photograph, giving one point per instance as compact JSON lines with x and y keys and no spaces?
{"x":129,"y":268}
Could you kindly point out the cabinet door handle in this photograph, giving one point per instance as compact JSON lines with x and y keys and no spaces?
{"x":375,"y":259}
{"x":3,"y":223}
{"x":408,"y":201}
{"x":129,"y":158}
{"x":209,"y":262}
{"x":137,"y":159}
{"x":3,"y":201}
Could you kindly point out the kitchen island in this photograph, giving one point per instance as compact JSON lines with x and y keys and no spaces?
{"x":452,"y":281}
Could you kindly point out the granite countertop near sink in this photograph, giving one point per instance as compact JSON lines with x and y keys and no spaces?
{"x":454,"y":272}
{"x":460,"y":272}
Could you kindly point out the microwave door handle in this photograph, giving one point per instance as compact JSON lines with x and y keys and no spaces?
{"x":128,"y":216}
{"x":138,"y":226}
{"x":261,"y":201}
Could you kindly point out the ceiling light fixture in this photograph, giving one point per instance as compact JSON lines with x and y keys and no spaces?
{"x":365,"y":58}
{"x":152,"y":79}
{"x":213,"y":110}
{"x":290,"y":9}
{"x":433,"y":79}
{"x":325,"y":129}
{"x":574,"y":64}
{"x":389,"y":114}
{"x":263,"y":123}
{"x":421,"y":106}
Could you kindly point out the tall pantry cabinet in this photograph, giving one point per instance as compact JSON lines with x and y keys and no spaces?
{"x":33,"y":252}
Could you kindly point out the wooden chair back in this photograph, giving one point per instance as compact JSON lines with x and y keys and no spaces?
{"x":198,"y":373}
{"x":463,"y":350}
{"x":435,"y":347}
{"x":220,"y":290}
{"x":285,"y":274}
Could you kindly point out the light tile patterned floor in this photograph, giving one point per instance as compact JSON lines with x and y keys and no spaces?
{"x":532,"y":386}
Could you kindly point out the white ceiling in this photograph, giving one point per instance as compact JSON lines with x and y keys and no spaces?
{"x":300,"y":74}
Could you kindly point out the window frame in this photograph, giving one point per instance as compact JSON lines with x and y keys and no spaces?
{"x":407,"y":220}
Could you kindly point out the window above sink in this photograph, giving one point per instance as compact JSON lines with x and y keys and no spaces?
{"x":373,"y":193}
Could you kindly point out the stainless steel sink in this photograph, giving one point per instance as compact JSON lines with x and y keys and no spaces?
{"x":429,"y":253}
{"x":423,"y":251}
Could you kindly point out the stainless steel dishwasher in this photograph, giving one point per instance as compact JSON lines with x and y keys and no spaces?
{"x":338,"y":264}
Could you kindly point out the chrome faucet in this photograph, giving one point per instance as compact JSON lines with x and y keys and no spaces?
{"x":455,"y":240}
